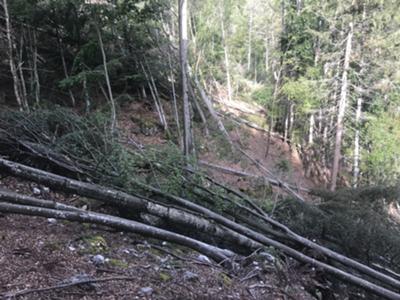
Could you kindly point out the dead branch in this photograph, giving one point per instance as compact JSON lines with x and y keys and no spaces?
{"x":12,"y":295}
{"x":234,"y":172}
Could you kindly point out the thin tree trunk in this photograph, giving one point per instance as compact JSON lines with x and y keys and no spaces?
{"x":291,"y":120}
{"x":175,"y":103}
{"x":277,"y":77}
{"x":357,"y":156}
{"x":341,"y":110}
{"x":311,"y":130}
{"x":286,"y":127}
{"x":86,"y":94}
{"x":35,"y":69}
{"x":357,"y":150}
{"x":183,"y":51}
{"x":199,"y":110}
{"x":266,"y":55}
{"x":62,"y":54}
{"x":24,"y":93}
{"x":226,"y":55}
{"x":110,"y":95}
{"x":156,"y":98}
{"x":249,"y":49}
{"x":13,"y":69}
{"x":212,"y":112}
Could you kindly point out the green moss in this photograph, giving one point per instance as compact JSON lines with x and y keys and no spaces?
{"x":227,"y":281}
{"x":118,"y":263}
{"x":95,"y":244}
{"x":165,"y":277}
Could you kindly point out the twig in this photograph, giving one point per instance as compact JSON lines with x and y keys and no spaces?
{"x":64,"y":285}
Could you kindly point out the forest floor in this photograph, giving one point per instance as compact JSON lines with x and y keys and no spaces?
{"x":39,"y":253}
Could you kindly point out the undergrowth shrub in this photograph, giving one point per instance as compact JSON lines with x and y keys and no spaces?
{"x":353,"y":221}
{"x":86,"y":141}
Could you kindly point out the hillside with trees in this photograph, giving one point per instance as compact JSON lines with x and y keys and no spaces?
{"x":233,"y":149}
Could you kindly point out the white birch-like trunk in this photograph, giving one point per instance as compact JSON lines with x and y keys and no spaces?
{"x":183,"y":50}
{"x":13,"y":68}
{"x":341,"y":110}
{"x":110,"y":95}
{"x":249,"y":49}
{"x":226,"y":55}
{"x":311,"y":130}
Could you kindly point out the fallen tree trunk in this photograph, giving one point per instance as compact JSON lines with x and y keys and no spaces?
{"x":292,"y":236}
{"x":98,"y":192}
{"x":217,"y":254}
{"x":172,"y":214}
{"x":234,"y":172}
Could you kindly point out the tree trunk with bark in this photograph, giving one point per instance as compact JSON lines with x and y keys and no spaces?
{"x":13,"y":68}
{"x":183,"y":51}
{"x":341,"y":110}
{"x":107,"y":78}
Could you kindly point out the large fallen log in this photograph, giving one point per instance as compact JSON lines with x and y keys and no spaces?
{"x":175,"y":215}
{"x":219,"y":255}
{"x":102,"y":193}
{"x":215,"y":253}
{"x":261,"y":217}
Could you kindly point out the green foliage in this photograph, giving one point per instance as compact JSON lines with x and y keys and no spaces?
{"x":352,"y":221}
{"x":303,"y":92}
{"x":263,"y":95}
{"x":381,"y":161}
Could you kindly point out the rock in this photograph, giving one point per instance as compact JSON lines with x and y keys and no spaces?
{"x":98,"y":259}
{"x":46,"y":189}
{"x":190,"y":276}
{"x":52,"y":221}
{"x":204,"y":259}
{"x":36,"y":191}
{"x":146,"y":291}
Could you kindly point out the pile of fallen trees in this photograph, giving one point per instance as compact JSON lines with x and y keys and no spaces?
{"x":224,"y":236}
{"x":158,"y":196}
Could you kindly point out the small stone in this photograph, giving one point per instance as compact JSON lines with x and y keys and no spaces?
{"x":46,"y":189}
{"x":204,"y":259}
{"x":36,"y":191}
{"x":98,"y":259}
{"x":146,"y":291}
{"x":51,"y":221}
{"x":164,"y":243}
{"x":71,"y":248}
{"x":190,"y":276}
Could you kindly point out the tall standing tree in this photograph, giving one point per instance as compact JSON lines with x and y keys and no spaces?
{"x":183,"y":51}
{"x":17,"y":90}
{"x":341,"y":109}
